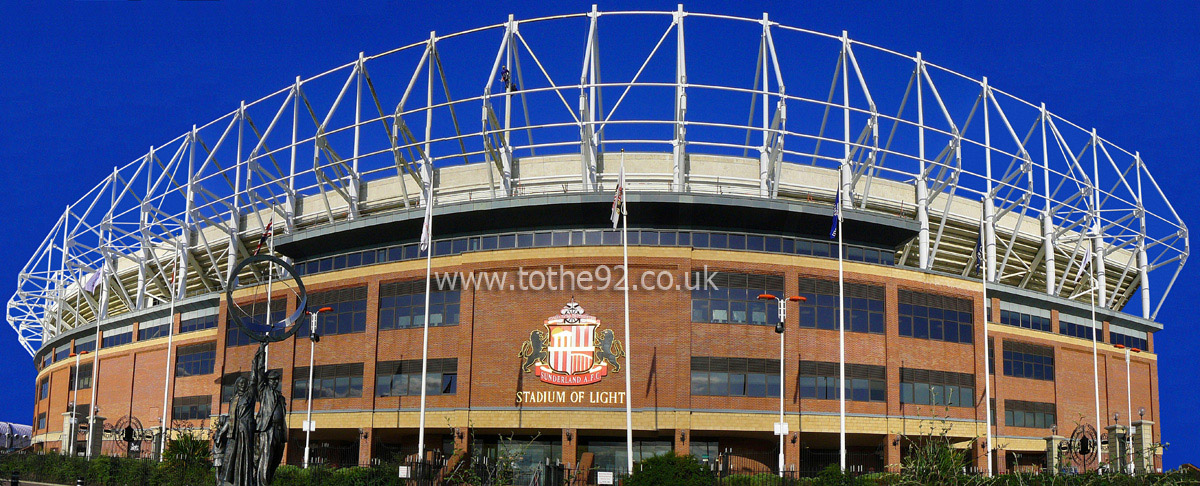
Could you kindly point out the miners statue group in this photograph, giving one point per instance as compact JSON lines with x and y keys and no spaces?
{"x":248,"y":444}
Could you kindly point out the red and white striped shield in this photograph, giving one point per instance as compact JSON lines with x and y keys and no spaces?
{"x":571,"y":347}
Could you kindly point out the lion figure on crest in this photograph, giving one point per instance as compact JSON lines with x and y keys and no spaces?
{"x":609,"y":349}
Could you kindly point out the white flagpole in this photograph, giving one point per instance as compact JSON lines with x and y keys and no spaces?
{"x":162,"y":443}
{"x":427,"y":241}
{"x":96,"y":369}
{"x":270,"y":279}
{"x":1095,"y":367}
{"x":841,"y":340}
{"x":425,"y":339}
{"x":843,"y":192}
{"x":628,"y":346}
{"x":987,"y":360}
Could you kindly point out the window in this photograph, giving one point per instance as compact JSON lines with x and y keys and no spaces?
{"x":230,"y":380}
{"x":41,"y":422}
{"x":195,"y":360}
{"x":191,"y":408}
{"x":733,"y":298}
{"x":117,"y":336}
{"x":1017,"y":319}
{"x":152,"y":330}
{"x":938,"y":388}
{"x":936,"y":317}
{"x":735,"y":377}
{"x":1024,"y":360}
{"x":329,"y":381}
{"x":43,"y":389}
{"x":46,"y":360}
{"x":86,"y":344}
{"x":85,"y":377}
{"x":349,"y":314}
{"x":403,"y":378}
{"x":198,"y":323}
{"x":714,"y":240}
{"x":992,"y":355}
{"x":864,"y":306}
{"x":1019,"y":413}
{"x":1083,"y":331}
{"x":1126,"y":340}
{"x":62,"y":352}
{"x":402,"y":305}
{"x":864,"y":383}
{"x":254,"y":314}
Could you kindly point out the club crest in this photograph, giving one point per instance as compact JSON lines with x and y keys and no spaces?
{"x":572,"y":351}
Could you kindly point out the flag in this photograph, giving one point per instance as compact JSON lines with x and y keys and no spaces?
{"x":979,"y":253}
{"x":425,"y":226}
{"x":618,"y":207}
{"x":267,"y":232}
{"x":1087,"y":258}
{"x":94,"y":280}
{"x":837,"y":214}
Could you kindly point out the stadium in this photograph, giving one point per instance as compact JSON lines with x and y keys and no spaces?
{"x":994,"y":260}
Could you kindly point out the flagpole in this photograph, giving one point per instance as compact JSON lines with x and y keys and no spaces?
{"x":1095,"y":366}
{"x":841,"y":338}
{"x":427,"y":241}
{"x":162,"y":442}
{"x":628,"y":346}
{"x":96,"y":374}
{"x":987,"y":360}
{"x":270,"y":280}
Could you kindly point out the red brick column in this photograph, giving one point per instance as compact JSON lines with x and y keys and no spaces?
{"x":791,"y":451}
{"x":462,"y":439}
{"x":570,"y":442}
{"x":366,"y":445}
{"x":892,"y":458}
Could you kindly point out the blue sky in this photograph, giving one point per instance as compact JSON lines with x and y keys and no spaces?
{"x":85,"y":86}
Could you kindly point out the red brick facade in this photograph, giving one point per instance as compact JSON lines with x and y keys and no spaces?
{"x":494,"y":324}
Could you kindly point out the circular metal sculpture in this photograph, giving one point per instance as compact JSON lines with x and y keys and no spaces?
{"x":128,"y":429}
{"x":249,"y":442}
{"x":1084,"y":445}
{"x":266,"y":332}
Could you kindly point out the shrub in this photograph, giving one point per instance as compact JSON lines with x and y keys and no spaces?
{"x":671,"y":470}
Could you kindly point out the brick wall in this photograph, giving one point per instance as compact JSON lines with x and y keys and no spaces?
{"x":494,"y":324}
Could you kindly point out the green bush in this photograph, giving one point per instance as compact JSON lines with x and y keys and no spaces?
{"x":761,"y":479}
{"x":671,"y":470}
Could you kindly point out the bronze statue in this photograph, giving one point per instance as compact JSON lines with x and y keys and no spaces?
{"x":221,"y":434}
{"x":251,"y":441}
{"x":240,"y":465}
{"x":272,"y":428}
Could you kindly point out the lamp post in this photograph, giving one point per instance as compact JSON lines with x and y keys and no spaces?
{"x":312,"y":347}
{"x":781,"y":429}
{"x":75,"y":402}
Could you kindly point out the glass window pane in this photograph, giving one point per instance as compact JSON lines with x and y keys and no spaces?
{"x":808,"y":387}
{"x":757,"y":385}
{"x":921,"y":393}
{"x":718,"y":384}
{"x":737,"y":385}
{"x":773,"y":386}
{"x":699,"y":383}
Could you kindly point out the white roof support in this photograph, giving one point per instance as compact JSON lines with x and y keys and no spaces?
{"x":497,"y":148}
{"x":679,"y":169}
{"x":212,"y":207}
{"x":589,"y":149}
{"x":921,"y":180}
{"x":1047,"y":215}
{"x":1097,"y":233}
